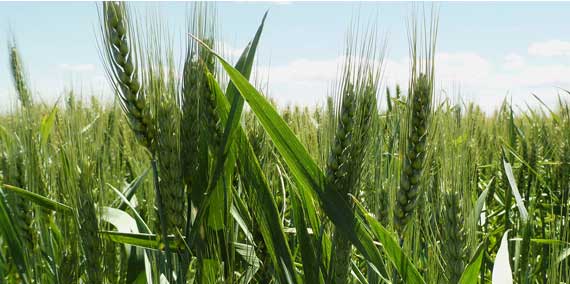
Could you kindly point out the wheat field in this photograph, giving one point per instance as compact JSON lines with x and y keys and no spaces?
{"x":193,"y":175}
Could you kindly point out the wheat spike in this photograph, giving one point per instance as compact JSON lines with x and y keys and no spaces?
{"x":453,"y":245}
{"x":122,"y":70}
{"x":18,"y":76}
{"x":88,"y":225}
{"x":416,"y":151}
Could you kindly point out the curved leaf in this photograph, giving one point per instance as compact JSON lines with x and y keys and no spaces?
{"x":502,"y":273}
{"x":137,"y":217}
{"x":148,"y":241}
{"x":119,"y":219}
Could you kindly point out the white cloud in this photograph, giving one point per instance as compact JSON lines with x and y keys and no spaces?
{"x":306,"y":70}
{"x":487,"y":82}
{"x":229,"y":50}
{"x":469,"y":75}
{"x":550,"y":48}
{"x":396,"y":72}
{"x":513,"y":61}
{"x":232,"y":52}
{"x":77,"y":67}
{"x":301,"y":81}
{"x":466,"y":67}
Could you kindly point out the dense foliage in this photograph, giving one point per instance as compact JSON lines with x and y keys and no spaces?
{"x":176,"y":182}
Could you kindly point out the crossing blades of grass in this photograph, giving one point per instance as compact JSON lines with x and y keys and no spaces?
{"x":265,"y":209}
{"x":392,"y":248}
{"x":10,"y":234}
{"x":308,"y":175}
{"x":130,"y":190}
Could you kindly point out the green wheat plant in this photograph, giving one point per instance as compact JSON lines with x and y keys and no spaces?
{"x":194,"y":173}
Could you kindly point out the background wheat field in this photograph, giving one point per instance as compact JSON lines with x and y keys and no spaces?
{"x":193,"y":175}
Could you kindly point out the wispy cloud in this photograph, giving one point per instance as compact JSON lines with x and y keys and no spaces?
{"x":550,"y":48}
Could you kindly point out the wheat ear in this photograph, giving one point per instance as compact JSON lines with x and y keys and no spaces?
{"x":123,"y":71}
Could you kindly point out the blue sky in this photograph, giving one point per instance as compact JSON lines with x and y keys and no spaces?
{"x":485,"y":50}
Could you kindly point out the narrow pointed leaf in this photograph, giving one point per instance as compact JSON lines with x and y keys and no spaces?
{"x":393,"y":250}
{"x":241,"y":223}
{"x":471,"y":272}
{"x":481,"y":202}
{"x":311,"y":266}
{"x":47,"y":126}
{"x":515,"y":190}
{"x":38,"y":199}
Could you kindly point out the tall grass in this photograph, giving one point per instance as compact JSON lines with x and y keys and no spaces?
{"x":178,"y":181}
